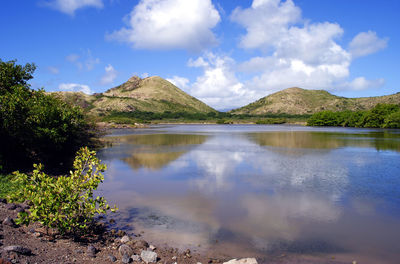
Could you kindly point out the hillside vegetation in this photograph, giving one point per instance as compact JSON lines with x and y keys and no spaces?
{"x":301,"y":101}
{"x":152,"y":94}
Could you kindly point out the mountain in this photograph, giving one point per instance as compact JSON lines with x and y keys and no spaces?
{"x":301,"y":101}
{"x":152,"y":94}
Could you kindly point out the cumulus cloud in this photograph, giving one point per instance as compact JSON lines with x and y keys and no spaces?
{"x":109,"y":75}
{"x":75,"y":87}
{"x":170,"y":24}
{"x":265,"y":21}
{"x":297,"y":52}
{"x":360,"y":83}
{"x":366,"y":43}
{"x":180,"y":82}
{"x":218,"y":85}
{"x":70,"y":6}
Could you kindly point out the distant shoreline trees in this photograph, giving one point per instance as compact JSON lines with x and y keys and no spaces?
{"x":381,"y":116}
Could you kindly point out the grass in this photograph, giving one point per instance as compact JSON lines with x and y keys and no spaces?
{"x":6,"y":185}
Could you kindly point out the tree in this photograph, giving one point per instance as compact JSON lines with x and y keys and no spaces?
{"x":36,"y":127}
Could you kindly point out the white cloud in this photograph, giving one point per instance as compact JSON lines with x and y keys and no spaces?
{"x":296,"y":51}
{"x":70,"y":6}
{"x":265,"y":22}
{"x":180,"y":82}
{"x":366,"y":43}
{"x":83,"y":61}
{"x":109,"y":76}
{"x":170,"y":24}
{"x":360,"y":83}
{"x":53,"y":70}
{"x":218,"y":86}
{"x":75,"y":87}
{"x":72,"y":57}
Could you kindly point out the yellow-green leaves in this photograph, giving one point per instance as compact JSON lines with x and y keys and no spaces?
{"x":64,"y":202}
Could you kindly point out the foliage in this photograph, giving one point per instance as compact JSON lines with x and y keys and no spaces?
{"x":7,"y":186}
{"x":64,"y":202}
{"x":271,"y":121}
{"x":218,"y":117}
{"x":381,"y":116}
{"x":35,"y":127}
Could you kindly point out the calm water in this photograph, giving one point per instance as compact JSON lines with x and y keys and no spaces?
{"x":275,"y":192}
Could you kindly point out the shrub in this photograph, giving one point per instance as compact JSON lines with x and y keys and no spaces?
{"x":64,"y":202}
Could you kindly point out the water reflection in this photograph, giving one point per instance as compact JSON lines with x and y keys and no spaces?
{"x":153,"y":151}
{"x":328,"y":140}
{"x":261,"y":193}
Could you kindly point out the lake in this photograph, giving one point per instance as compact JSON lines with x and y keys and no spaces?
{"x":273,"y":192}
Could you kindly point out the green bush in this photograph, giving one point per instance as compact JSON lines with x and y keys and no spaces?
{"x":36,"y":127}
{"x":64,"y":202}
{"x":381,"y":116}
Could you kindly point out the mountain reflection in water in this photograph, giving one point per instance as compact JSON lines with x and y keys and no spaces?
{"x":260,"y":190}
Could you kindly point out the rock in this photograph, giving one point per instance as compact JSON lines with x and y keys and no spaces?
{"x":242,"y":261}
{"x":174,"y":257}
{"x":135,"y":258}
{"x":126,"y":259}
{"x":37,"y":234}
{"x":91,"y":251}
{"x":138,"y":244}
{"x":121,"y":233}
{"x":18,"y":249}
{"x":2,"y":200}
{"x":11,"y":206}
{"x":125,"y":239}
{"x":152,"y":248}
{"x":148,"y":256}
{"x":112,"y":258}
{"x":125,"y":250}
{"x":9,"y":221}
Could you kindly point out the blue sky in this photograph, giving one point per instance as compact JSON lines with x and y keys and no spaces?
{"x":225,"y":52}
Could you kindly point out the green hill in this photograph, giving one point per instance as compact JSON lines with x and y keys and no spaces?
{"x":301,"y":101}
{"x":152,"y":94}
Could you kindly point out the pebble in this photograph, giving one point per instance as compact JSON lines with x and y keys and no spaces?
{"x":135,"y":258}
{"x":148,"y":256}
{"x":18,"y":249}
{"x":125,"y":250}
{"x":91,"y":251}
{"x":126,"y":259}
{"x":125,"y":239}
{"x":2,"y":200}
{"x":174,"y":257}
{"x":9,"y":221}
{"x":152,"y":248}
{"x":242,"y":261}
{"x":112,"y":258}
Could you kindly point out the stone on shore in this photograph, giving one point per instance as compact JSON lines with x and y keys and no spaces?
{"x":18,"y":249}
{"x":148,"y":256}
{"x":125,"y":250}
{"x":126,"y":259}
{"x":91,"y":251}
{"x":242,"y":261}
{"x":112,"y":258}
{"x":125,"y":239}
{"x":9,"y":221}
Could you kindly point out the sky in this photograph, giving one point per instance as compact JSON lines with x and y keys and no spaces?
{"x":226,"y":53}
